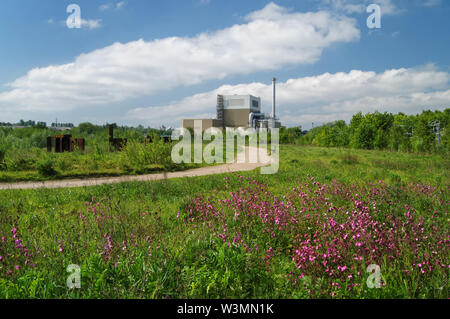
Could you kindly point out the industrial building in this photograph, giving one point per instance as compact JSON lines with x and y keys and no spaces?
{"x":240,"y":111}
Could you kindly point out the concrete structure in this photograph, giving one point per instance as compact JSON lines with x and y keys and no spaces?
{"x":239,"y":111}
{"x":61,"y":128}
{"x":206,"y":123}
{"x":235,"y":110}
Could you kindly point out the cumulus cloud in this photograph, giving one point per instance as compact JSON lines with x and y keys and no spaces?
{"x":268,"y":40}
{"x":323,"y":98}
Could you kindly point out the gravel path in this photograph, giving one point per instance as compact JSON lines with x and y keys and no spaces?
{"x":71,"y":183}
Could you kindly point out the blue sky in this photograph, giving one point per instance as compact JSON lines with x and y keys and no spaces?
{"x":328,"y":62}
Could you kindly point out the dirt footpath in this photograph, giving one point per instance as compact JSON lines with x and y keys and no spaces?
{"x":203,"y":171}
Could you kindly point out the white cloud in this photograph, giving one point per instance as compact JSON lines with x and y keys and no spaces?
{"x":272,"y":38}
{"x":105,"y":7}
{"x":120,"y":4}
{"x":387,"y":6}
{"x":91,"y":24}
{"x":109,"y":6}
{"x":359,"y":6}
{"x":323,"y":98}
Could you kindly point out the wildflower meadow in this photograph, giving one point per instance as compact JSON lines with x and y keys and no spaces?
{"x":333,"y":223}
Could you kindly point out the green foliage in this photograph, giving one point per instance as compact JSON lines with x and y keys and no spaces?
{"x":23,"y":150}
{"x":371,"y":131}
{"x":349,"y":159}
{"x":21,"y":160}
{"x":88,"y":128}
{"x":424,"y":138}
{"x":334,"y":134}
{"x":142,"y":158}
{"x":384,"y":131}
{"x":46,"y":167}
{"x":290,"y":135}
{"x":2,"y":158}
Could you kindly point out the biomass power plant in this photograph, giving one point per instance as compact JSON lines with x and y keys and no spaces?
{"x":240,"y":111}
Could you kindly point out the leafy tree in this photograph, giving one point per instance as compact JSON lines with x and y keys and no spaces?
{"x":87,"y":128}
{"x":424,"y":138}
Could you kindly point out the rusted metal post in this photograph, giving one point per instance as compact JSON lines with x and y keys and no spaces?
{"x":49,"y":144}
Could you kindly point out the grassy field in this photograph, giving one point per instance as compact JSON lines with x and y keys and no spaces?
{"x":309,"y":231}
{"x":136,"y":159}
{"x":36,"y":164}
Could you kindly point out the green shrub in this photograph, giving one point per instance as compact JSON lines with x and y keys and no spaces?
{"x":2,"y":157}
{"x":22,"y":159}
{"x":140,"y":158}
{"x":65,"y":161}
{"x":46,"y":168}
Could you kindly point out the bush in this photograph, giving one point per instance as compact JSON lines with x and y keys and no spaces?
{"x":21,"y":159}
{"x":140,"y":158}
{"x":2,"y":157}
{"x":333,"y":134}
{"x":46,"y":168}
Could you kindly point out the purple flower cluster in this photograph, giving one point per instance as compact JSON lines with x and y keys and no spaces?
{"x":13,"y":253}
{"x":328,"y":230}
{"x":115,"y":245}
{"x":94,"y":209}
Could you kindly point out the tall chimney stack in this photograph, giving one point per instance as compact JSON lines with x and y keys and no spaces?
{"x":274,"y":96}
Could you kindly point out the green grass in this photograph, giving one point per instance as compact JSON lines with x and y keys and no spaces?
{"x":351,"y":165}
{"x":136,"y":159}
{"x":168,"y":258}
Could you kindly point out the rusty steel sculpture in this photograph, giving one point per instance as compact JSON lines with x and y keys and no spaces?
{"x":64,"y":143}
{"x":116,"y":144}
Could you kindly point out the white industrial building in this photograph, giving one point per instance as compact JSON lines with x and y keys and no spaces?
{"x":240,"y":111}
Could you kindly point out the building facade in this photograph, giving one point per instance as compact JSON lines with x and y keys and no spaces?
{"x":239,"y":111}
{"x":232,"y":111}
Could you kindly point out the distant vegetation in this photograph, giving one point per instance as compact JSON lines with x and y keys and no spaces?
{"x":25,"y":124}
{"x":380,"y":131}
{"x":23,"y":154}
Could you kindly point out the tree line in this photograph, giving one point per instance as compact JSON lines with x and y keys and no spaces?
{"x":23,"y":123}
{"x":425,"y":133}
